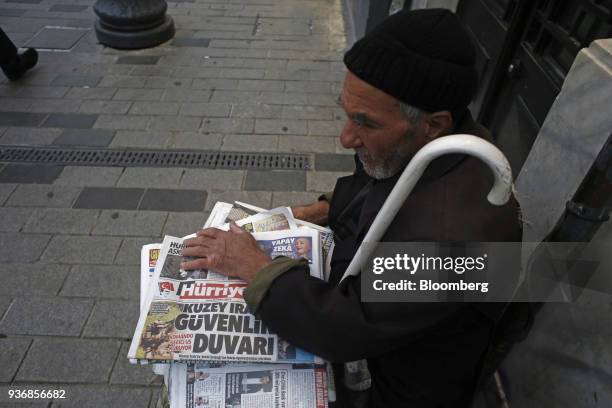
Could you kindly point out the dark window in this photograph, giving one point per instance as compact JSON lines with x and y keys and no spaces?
{"x":557,"y":30}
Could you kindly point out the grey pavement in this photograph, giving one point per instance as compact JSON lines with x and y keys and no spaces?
{"x":239,"y":76}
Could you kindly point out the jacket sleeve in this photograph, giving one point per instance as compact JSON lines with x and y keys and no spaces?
{"x":256,"y":291}
{"x":331,"y":321}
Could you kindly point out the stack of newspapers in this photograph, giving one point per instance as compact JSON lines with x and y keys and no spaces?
{"x":198,"y":332}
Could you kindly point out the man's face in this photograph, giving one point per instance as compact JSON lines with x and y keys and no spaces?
{"x":377,"y":129}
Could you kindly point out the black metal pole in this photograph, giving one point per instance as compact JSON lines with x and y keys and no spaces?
{"x":591,"y":205}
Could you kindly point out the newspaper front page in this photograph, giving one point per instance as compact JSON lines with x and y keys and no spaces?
{"x":248,"y":386}
{"x":201,"y":315}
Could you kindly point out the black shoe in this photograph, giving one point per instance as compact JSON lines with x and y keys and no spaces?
{"x":24,"y":61}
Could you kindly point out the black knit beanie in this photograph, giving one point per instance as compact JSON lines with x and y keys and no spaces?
{"x":423,"y":58}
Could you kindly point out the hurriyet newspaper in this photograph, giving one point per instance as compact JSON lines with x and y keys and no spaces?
{"x":201,"y":315}
{"x":298,"y":392}
{"x":219,"y":385}
{"x":189,"y":385}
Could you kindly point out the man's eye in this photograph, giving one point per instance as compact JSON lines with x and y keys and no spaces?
{"x":358,"y":121}
{"x":362,"y":123}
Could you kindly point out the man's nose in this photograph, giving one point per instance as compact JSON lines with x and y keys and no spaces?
{"x":349,"y":139}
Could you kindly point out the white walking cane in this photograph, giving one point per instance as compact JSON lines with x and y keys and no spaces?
{"x":462,"y":144}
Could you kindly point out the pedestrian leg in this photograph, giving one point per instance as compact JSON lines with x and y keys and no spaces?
{"x":13,"y":64}
{"x":8,"y":51}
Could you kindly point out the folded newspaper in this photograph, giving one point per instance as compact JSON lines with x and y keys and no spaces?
{"x":201,"y":316}
{"x":247,"y":386}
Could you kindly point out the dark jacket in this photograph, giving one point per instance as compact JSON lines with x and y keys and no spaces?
{"x":419,"y":354}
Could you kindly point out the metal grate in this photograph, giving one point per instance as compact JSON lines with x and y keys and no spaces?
{"x":263,"y":161}
{"x":153,"y":158}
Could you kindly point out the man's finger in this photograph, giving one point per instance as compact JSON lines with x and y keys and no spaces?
{"x":200,"y":263}
{"x":201,"y":240}
{"x":197,"y":251}
{"x":193,"y":242}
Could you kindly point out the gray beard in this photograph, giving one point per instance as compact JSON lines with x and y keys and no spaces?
{"x":388,"y":165}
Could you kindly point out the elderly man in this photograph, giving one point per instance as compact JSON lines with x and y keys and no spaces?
{"x":409,"y":82}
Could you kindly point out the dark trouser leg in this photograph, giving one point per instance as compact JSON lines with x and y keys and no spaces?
{"x":14,"y":65}
{"x":377,"y":12}
{"x":8,"y":51}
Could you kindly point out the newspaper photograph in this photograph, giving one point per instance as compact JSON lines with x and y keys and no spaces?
{"x":248,"y":386}
{"x":239,"y":211}
{"x":300,"y":243}
{"x":222,"y":213}
{"x":197,"y":315}
{"x":277,"y":219}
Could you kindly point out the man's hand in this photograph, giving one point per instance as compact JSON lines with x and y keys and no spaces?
{"x":316,"y":213}
{"x":232,"y":253}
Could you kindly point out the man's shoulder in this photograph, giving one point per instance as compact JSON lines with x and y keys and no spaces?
{"x":454,"y":207}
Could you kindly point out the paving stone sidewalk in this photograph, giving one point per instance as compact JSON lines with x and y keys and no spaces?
{"x":239,"y":76}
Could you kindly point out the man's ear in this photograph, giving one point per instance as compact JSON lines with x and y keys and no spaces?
{"x":438,"y":124}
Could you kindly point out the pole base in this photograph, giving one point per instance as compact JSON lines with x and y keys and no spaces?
{"x":132,"y":24}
